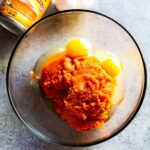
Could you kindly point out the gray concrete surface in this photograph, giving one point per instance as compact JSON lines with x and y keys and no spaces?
{"x":134,"y":16}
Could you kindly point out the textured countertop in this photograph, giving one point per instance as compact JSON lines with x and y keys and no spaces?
{"x":134,"y":16}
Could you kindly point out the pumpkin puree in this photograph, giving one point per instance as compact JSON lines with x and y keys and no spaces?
{"x":80,"y":88}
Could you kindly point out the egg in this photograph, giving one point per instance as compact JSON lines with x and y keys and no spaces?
{"x":78,"y":48}
{"x":73,"y":4}
{"x":112,"y":66}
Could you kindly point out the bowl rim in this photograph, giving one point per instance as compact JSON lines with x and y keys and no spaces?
{"x":116,"y":132}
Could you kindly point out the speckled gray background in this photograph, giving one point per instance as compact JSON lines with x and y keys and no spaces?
{"x":133,"y":15}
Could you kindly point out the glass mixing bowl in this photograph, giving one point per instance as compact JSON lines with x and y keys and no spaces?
{"x":50,"y":34}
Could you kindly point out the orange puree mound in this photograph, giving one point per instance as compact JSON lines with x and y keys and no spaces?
{"x":81,"y":90}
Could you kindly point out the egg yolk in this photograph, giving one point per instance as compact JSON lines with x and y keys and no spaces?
{"x":112,"y":67}
{"x":77,"y":48}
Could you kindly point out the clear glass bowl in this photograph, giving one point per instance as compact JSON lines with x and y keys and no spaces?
{"x":51,"y":33}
